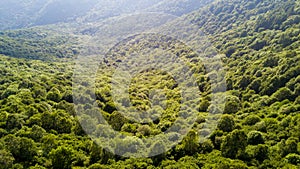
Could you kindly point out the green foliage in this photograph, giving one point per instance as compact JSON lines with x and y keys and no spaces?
{"x":6,"y":159}
{"x":288,"y":146}
{"x":190,"y":143}
{"x":22,"y":148}
{"x":226,"y":123}
{"x":259,"y":152}
{"x":144,"y":130}
{"x":234,"y":144}
{"x":293,"y":159}
{"x":282,"y":94}
{"x":38,"y":43}
{"x":260,"y":127}
{"x":232,"y":105}
{"x":251,"y":120}
{"x":61,"y":157}
{"x":255,"y":138}
{"x":117,"y":120}
{"x":204,"y":104}
{"x":54,"y":95}
{"x":58,"y":121}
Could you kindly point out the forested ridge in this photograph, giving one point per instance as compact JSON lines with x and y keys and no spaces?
{"x":259,"y":128}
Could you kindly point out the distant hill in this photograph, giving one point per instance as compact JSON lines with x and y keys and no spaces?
{"x":21,"y":14}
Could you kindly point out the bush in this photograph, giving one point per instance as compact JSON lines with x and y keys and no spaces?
{"x":203,"y":106}
{"x":234,"y":144}
{"x":206,"y":146}
{"x":6,"y":159}
{"x":226,"y":123}
{"x":61,"y":157}
{"x":54,"y":95}
{"x":259,"y":152}
{"x":251,"y":120}
{"x":293,"y":159}
{"x":255,"y":138}
{"x":232,"y":105}
{"x":282,"y":94}
{"x":144,"y":130}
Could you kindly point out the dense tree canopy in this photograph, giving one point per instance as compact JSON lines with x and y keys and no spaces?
{"x":40,"y":126}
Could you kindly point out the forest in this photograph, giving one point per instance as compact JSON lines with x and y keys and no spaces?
{"x":46,"y":123}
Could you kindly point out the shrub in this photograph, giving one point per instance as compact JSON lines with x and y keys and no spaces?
{"x":282,"y":94}
{"x":234,"y":144}
{"x":226,"y":123}
{"x":251,"y":120}
{"x":6,"y":160}
{"x":232,"y":105}
{"x":293,"y":158}
{"x":144,"y":130}
{"x":61,"y":157}
{"x":54,"y":95}
{"x":255,"y":138}
{"x":203,"y":106}
{"x":259,"y":152}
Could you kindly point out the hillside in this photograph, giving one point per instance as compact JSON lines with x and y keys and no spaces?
{"x":62,"y":103}
{"x":37,"y":43}
{"x":16,"y":14}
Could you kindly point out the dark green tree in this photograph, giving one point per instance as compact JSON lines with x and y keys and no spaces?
{"x":234,"y":144}
{"x":255,"y":138}
{"x":226,"y":123}
{"x":6,"y":159}
{"x":62,"y":157}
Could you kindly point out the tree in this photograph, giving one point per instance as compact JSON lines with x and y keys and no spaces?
{"x":61,"y":157}
{"x":100,"y":155}
{"x":244,"y":82}
{"x":255,"y":85}
{"x":59,"y":121}
{"x":6,"y":159}
{"x":259,"y":152}
{"x":226,"y":123}
{"x":144,"y":130}
{"x":285,"y":40}
{"x":22,"y":148}
{"x":234,"y":144}
{"x":282,"y":94}
{"x":14,"y":122}
{"x":156,"y":152}
{"x":288,"y":146}
{"x":203,"y":106}
{"x":117,"y":120}
{"x":258,"y":44}
{"x":255,"y":138}
{"x":110,"y":107}
{"x":232,"y":105}
{"x":191,"y":143}
{"x":293,"y":159}
{"x":251,"y":120}
{"x":54,"y":95}
{"x":206,"y":147}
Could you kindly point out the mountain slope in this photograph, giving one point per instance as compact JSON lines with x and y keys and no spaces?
{"x":259,"y":44}
{"x":22,"y":14}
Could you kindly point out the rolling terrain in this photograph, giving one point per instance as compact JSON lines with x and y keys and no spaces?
{"x":249,"y":57}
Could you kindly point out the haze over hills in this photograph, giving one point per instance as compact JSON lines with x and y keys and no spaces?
{"x":57,"y":26}
{"x":20,"y":13}
{"x":61,"y":81}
